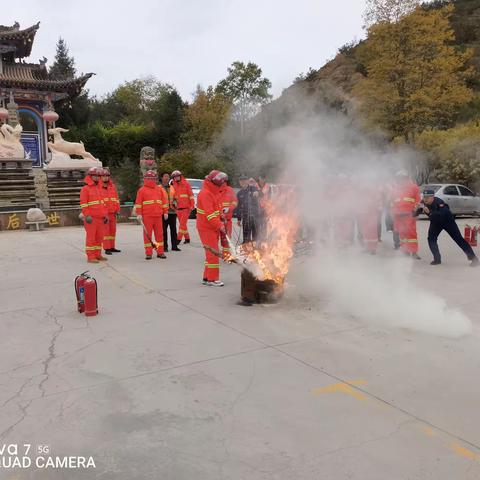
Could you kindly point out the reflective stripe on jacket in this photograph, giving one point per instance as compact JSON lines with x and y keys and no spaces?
{"x":185,"y":198}
{"x":152,"y":200}
{"x":405,"y":197}
{"x":208,"y":207}
{"x":111,"y":197}
{"x":228,"y":199}
{"x":92,"y":199}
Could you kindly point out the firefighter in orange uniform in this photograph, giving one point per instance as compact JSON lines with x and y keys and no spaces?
{"x":185,"y":204}
{"x":94,"y":214}
{"x":113,"y":206}
{"x":151,"y":206}
{"x":228,"y":203}
{"x":405,"y":197}
{"x":210,"y":226}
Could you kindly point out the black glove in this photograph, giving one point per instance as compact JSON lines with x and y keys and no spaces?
{"x":105,"y":220}
{"x":88,"y":219}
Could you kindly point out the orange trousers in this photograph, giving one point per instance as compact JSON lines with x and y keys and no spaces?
{"x":110,"y":232}
{"x":154,"y":229}
{"x":94,"y":237}
{"x":209,"y":238}
{"x":183,"y":215}
{"x":406,"y":226}
{"x":368,"y":225}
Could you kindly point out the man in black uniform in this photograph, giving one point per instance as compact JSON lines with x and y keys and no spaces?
{"x":248,"y":209}
{"x":441,"y":218}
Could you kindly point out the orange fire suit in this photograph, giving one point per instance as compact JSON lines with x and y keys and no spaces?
{"x":405,"y":196}
{"x":370,"y":205}
{"x":152,"y":203}
{"x":228,"y":203}
{"x":113,"y":206}
{"x":93,"y":205}
{"x":208,"y":226}
{"x":185,"y":204}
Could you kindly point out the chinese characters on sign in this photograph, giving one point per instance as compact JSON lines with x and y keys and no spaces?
{"x":13,"y":222}
{"x":53,"y":219}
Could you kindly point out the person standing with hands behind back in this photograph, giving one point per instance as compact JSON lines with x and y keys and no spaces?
{"x":441,"y":218}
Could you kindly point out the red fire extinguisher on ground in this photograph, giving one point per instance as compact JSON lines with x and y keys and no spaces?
{"x":86,"y":292}
{"x":468,"y":233}
{"x":474,"y":237}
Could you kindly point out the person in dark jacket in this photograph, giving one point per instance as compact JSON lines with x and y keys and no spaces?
{"x":441,"y":218}
{"x":248,"y":209}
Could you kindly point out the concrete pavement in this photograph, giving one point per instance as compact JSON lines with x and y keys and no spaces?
{"x":174,"y":381}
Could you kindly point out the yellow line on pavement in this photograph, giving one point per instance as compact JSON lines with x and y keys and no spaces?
{"x":343,"y":387}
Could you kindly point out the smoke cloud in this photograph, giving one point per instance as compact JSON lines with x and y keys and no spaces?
{"x":319,"y":152}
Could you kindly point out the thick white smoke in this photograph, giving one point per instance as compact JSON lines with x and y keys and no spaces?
{"x":315,"y":149}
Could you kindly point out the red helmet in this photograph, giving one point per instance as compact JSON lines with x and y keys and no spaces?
{"x":176,"y":173}
{"x":150,"y":175}
{"x":95,"y":171}
{"x":217,"y":177}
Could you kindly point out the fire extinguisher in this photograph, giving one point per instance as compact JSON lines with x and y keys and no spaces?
{"x":468,"y":233}
{"x":86,"y":292}
{"x":474,"y":237}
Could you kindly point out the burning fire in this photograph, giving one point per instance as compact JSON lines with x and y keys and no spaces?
{"x":269,"y":258}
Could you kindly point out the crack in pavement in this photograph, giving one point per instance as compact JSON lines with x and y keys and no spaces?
{"x":51,"y":350}
{"x":23,"y":409}
{"x":45,"y":374}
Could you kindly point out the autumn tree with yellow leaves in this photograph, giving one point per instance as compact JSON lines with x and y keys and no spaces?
{"x":415,"y":78}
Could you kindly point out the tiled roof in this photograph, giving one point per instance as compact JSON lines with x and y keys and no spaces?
{"x":33,"y":76}
{"x":21,"y":39}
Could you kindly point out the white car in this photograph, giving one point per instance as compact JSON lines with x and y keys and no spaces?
{"x":460,"y":199}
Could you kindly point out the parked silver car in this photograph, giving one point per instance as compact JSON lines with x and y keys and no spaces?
{"x":460,"y":199}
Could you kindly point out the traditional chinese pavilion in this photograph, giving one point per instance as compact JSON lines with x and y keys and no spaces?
{"x":28,"y":94}
{"x":28,"y":90}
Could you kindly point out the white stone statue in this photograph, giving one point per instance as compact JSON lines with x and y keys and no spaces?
{"x":61,"y":151}
{"x":10,"y":145}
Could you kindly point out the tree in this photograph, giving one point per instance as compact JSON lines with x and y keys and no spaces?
{"x":77,"y":110}
{"x":416,"y":79}
{"x":63,"y":66}
{"x":131,"y":101}
{"x":388,"y":11}
{"x":167,"y":115}
{"x":205,"y":118}
{"x":247,"y":90}
{"x":454,"y":154}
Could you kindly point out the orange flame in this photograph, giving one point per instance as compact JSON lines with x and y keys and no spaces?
{"x":273,"y":253}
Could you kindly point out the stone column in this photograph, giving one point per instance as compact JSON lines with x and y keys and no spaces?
{"x":41,"y":188}
{"x":12,"y":108}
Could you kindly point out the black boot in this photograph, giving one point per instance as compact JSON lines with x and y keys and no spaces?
{"x":187,"y":240}
{"x":108,"y":251}
{"x":435,"y":262}
{"x":115,"y":250}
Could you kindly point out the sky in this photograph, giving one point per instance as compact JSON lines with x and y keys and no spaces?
{"x":189,"y":42}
